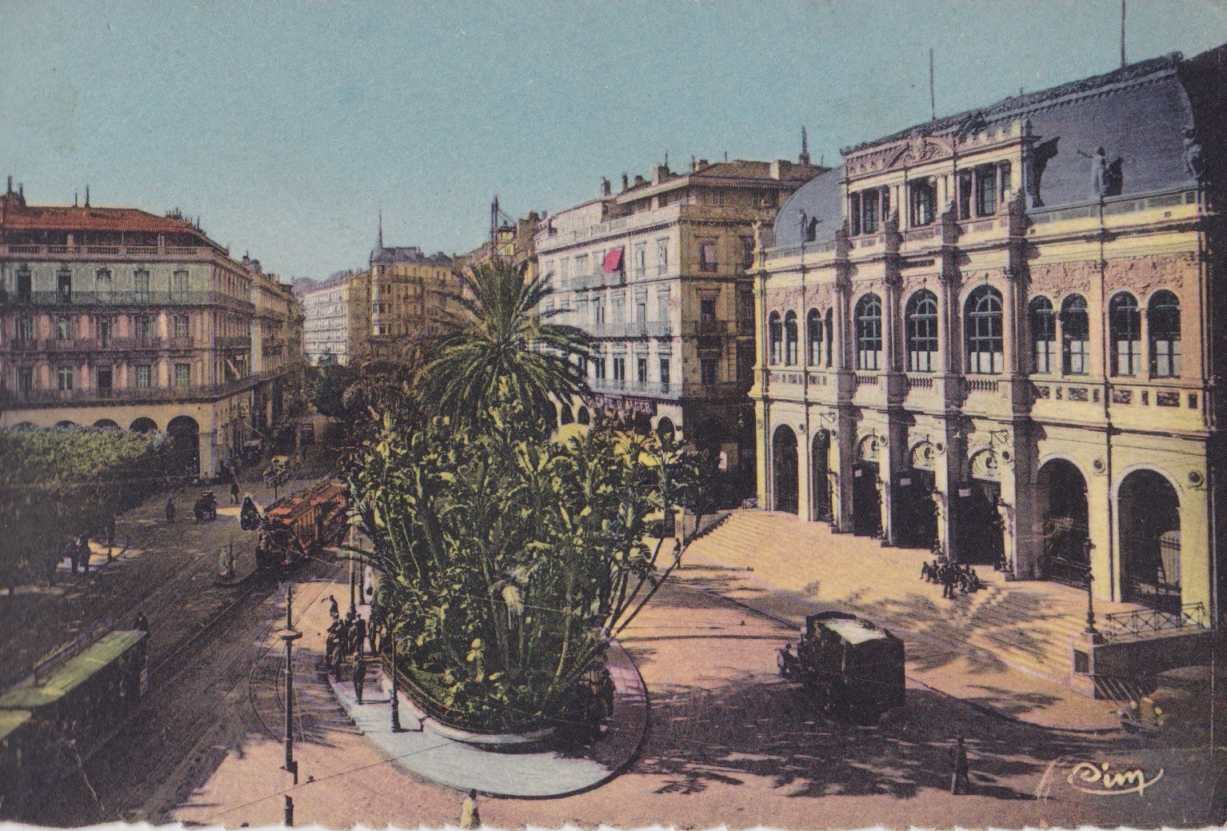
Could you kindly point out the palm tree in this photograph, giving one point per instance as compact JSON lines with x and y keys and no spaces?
{"x":504,"y":349}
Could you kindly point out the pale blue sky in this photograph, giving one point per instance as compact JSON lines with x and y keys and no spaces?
{"x":288,"y":125}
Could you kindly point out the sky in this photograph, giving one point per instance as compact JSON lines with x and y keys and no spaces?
{"x":288,"y":126}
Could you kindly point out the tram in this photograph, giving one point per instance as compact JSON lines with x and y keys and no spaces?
{"x":300,"y":525}
{"x":49,"y":728}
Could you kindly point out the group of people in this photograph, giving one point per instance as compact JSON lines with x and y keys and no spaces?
{"x":346,"y":638}
{"x":954,"y":577}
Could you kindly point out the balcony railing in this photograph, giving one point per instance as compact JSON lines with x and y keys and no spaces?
{"x":234,"y":342}
{"x":724,"y":389}
{"x":142,"y":251}
{"x":37,"y":397}
{"x":632,"y":329}
{"x":125,"y":298}
{"x":112,"y":344}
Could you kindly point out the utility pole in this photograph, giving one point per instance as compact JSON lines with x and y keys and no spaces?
{"x":932,"y":97}
{"x":289,"y":634}
{"x":1122,"y":34}
{"x":396,"y":728}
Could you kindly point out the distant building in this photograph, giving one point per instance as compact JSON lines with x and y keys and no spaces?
{"x":412,"y":294}
{"x":657,"y":274}
{"x":115,"y":317}
{"x":996,"y":332}
{"x":337,"y":325}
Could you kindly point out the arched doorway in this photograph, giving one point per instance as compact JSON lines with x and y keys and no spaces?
{"x":820,"y":467}
{"x":185,"y":445}
{"x":665,"y":428}
{"x":106,"y":424}
{"x":866,"y":502}
{"x":144,"y":425}
{"x":784,"y":465}
{"x":65,"y":425}
{"x":567,"y":417}
{"x":582,"y":416}
{"x":1060,"y":496}
{"x":981,"y":531}
{"x":915,"y":511}
{"x":1150,"y":540}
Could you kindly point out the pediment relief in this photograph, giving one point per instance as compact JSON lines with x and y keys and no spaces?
{"x":910,"y":152}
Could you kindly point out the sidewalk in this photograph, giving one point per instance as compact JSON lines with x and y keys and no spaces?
{"x":785,"y":569}
{"x":423,"y":749}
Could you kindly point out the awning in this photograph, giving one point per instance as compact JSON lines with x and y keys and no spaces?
{"x":613,"y":260}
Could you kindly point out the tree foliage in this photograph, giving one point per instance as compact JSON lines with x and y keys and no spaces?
{"x":509,"y":560}
{"x":57,"y":484}
{"x":505,"y":349}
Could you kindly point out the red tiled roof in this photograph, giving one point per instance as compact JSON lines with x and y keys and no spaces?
{"x":17,"y":217}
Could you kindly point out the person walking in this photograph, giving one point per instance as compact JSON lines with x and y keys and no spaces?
{"x":332,"y":607}
{"x":470,"y":817}
{"x":83,"y":552}
{"x":359,"y":678}
{"x":141,"y":622}
{"x":170,"y":508}
{"x":959,"y":782}
{"x":234,"y":491}
{"x":360,"y":636}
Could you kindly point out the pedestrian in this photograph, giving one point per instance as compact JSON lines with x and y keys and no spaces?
{"x":71,"y":552}
{"x":469,"y":815}
{"x":359,"y":636}
{"x":234,"y":492}
{"x":332,"y":607}
{"x":605,"y":688}
{"x":170,"y":508}
{"x":83,"y":552}
{"x":948,"y":581}
{"x":330,"y":643}
{"x":359,"y":678}
{"x":141,"y":622}
{"x":959,"y":782}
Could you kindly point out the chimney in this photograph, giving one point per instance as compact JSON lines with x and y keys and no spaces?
{"x":625,"y":182}
{"x":639,"y":180}
{"x":87,"y":196}
{"x":701,"y":163}
{"x":74,"y":199}
{"x":21,"y":191}
{"x":605,"y":187}
{"x":804,"y":157}
{"x":9,"y":189}
{"x":660,"y":173}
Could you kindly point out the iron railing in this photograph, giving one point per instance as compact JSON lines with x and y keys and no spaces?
{"x":1147,"y":621}
{"x":125,"y":298}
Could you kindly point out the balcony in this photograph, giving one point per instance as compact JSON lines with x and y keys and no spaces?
{"x":144,"y":252}
{"x":40,"y":397}
{"x":233,"y":342}
{"x":126,"y":299}
{"x":709,"y":328}
{"x":672,"y":390}
{"x":632,"y":329}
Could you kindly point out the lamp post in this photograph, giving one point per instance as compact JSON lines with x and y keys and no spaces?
{"x":289,"y":634}
{"x":1090,"y":595}
{"x":396,"y":728}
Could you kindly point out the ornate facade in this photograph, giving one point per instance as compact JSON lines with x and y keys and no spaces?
{"x":993,"y":333}
{"x":338,"y":320}
{"x":411,"y":293}
{"x":114,"y":317}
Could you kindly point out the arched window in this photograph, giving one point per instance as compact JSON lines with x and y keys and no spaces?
{"x":985,"y":345}
{"x":813,"y":337}
{"x":1125,"y":324}
{"x":921,"y":317}
{"x":1043,"y":335}
{"x":790,"y":339}
{"x":776,"y":335}
{"x":1163,"y":322}
{"x":830,"y":339}
{"x":869,"y":332}
{"x":1075,"y":336}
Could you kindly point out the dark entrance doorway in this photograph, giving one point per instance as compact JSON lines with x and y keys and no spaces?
{"x":820,"y":467}
{"x":915,"y":513}
{"x":1061,"y":498}
{"x":981,"y":534}
{"x":185,"y":445}
{"x":784,"y":465}
{"x":866,"y":504}
{"x":1150,"y":540}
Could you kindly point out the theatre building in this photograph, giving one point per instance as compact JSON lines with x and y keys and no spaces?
{"x":995,"y":333}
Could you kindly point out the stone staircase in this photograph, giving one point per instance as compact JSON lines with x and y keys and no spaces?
{"x":1029,"y":626}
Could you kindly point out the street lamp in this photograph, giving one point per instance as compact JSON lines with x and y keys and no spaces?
{"x":396,"y":728}
{"x":289,"y":634}
{"x":1090,"y":595}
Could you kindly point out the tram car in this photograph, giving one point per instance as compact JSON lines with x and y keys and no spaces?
{"x":300,"y":525}
{"x":848,"y":664}
{"x":49,"y":728}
